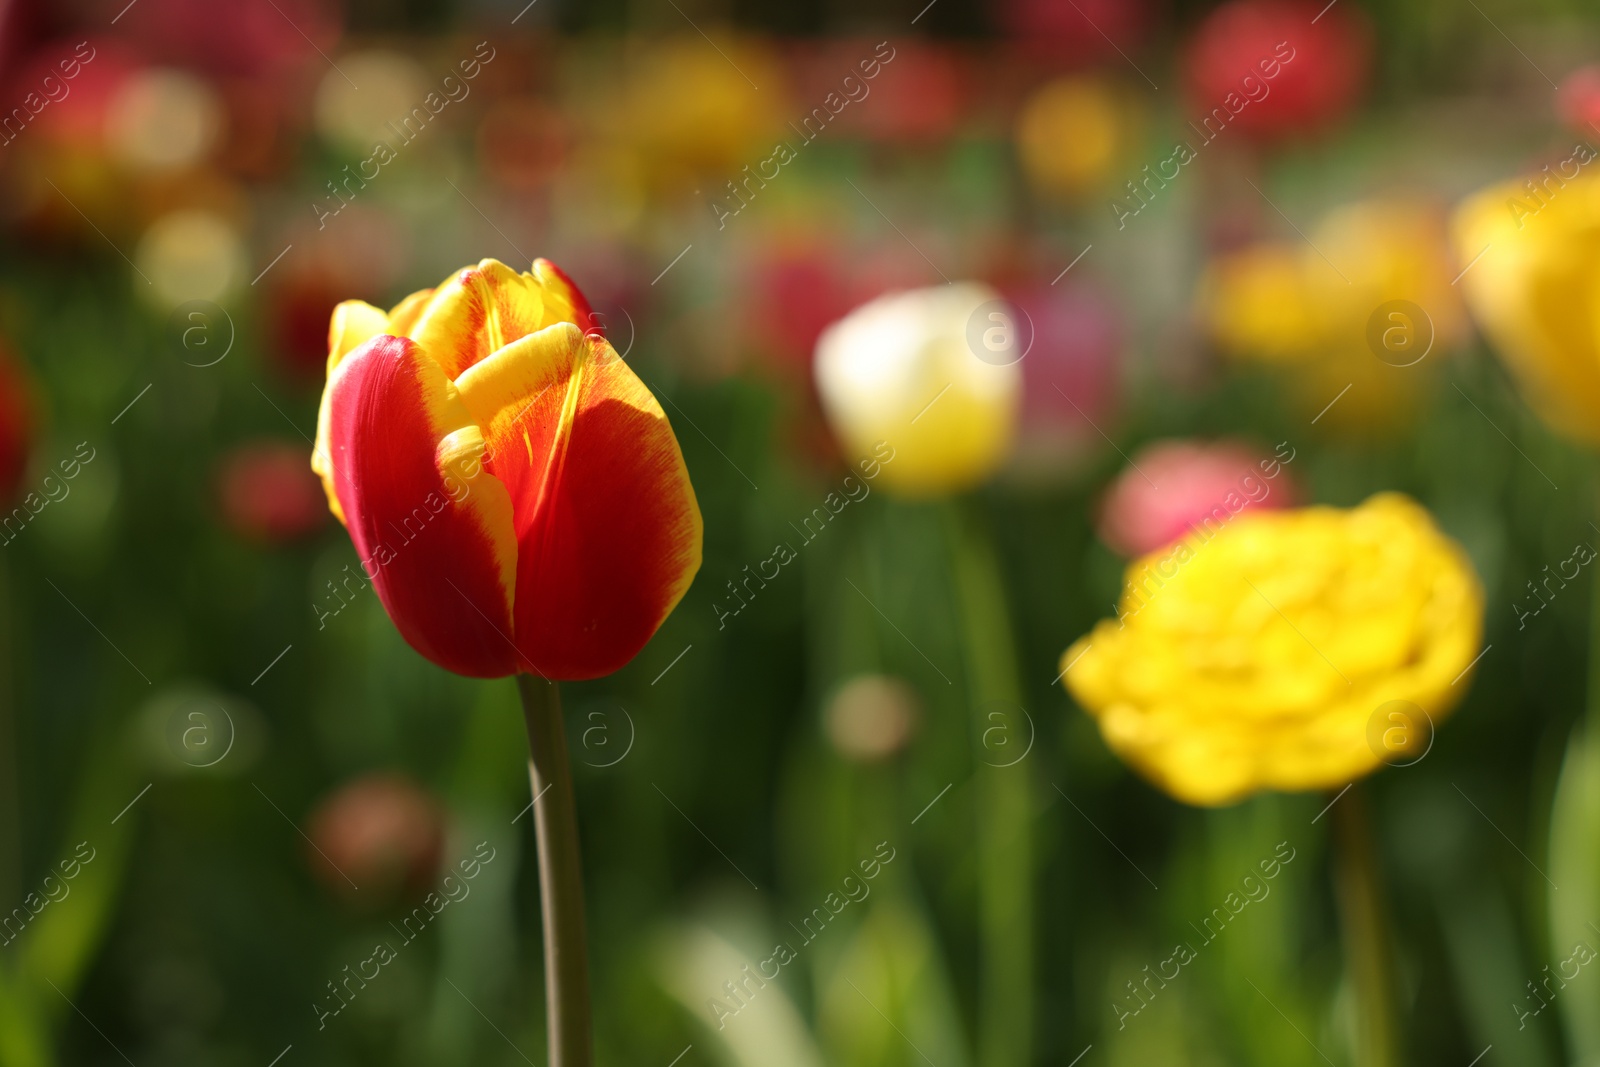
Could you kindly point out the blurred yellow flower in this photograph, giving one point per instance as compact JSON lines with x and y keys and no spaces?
{"x":1259,"y":304}
{"x":1358,"y":304}
{"x":191,"y":255}
{"x":1536,"y":291}
{"x":1068,"y":135}
{"x":931,"y":372}
{"x":1257,"y":656}
{"x":690,"y":114}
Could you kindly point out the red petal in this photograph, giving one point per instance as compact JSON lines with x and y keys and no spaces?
{"x":608,"y":531}
{"x":432,"y":527}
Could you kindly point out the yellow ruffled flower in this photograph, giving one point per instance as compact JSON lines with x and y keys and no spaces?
{"x":1255,"y":654}
{"x":1536,"y":291}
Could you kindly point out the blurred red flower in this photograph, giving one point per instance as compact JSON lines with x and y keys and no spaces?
{"x":363,"y":251}
{"x":919,"y":95}
{"x":265,"y":123}
{"x":268,"y":492}
{"x":241,"y":37}
{"x":798,"y":291}
{"x":1079,"y":32}
{"x":302,"y":303}
{"x":18,"y":23}
{"x":1578,"y":100}
{"x":76,"y":119}
{"x":16,"y":425}
{"x":524,"y":142}
{"x":1171,"y":487}
{"x":382,"y":832}
{"x":1317,"y":78}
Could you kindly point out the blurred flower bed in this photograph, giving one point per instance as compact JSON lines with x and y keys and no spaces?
{"x":1286,"y":263}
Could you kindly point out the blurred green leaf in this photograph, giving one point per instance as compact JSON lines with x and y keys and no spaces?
{"x":886,"y":1000}
{"x":1575,"y":868}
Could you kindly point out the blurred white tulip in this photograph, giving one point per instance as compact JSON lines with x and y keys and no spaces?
{"x":927,"y":383}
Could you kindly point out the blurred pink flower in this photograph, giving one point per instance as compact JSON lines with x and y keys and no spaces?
{"x":1070,"y":372}
{"x":382,"y":832}
{"x":1171,"y":487}
{"x":1077,"y":335}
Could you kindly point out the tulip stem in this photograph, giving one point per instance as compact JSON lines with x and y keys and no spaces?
{"x":10,"y":780}
{"x":1593,"y":725}
{"x":555,"y":820}
{"x":1001,"y":737}
{"x":1367,"y":949}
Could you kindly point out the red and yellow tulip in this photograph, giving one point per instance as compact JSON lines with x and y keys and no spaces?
{"x":516,"y":494}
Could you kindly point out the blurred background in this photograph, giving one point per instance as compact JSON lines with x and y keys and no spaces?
{"x":224,"y":778}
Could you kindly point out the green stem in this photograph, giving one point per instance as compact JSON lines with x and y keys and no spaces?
{"x":10,"y":781}
{"x":1367,"y":949}
{"x":1004,"y":842}
{"x":555,"y":820}
{"x":1594,"y":654}
{"x":23,"y":1041}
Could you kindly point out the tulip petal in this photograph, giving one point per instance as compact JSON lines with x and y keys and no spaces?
{"x":1531,"y":285}
{"x":477,"y":311}
{"x":563,"y":302}
{"x":432,"y":525}
{"x":607,"y":527}
{"x":354,"y":323}
{"x":403,"y":316}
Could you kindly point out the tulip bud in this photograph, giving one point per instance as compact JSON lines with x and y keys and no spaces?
{"x":514,"y":492}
